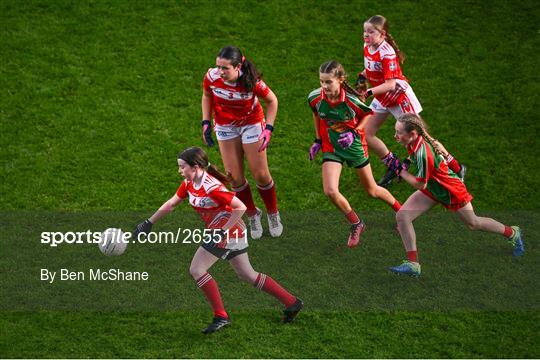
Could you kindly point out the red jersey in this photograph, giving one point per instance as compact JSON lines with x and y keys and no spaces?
{"x":443,"y":185}
{"x":381,"y":65}
{"x":232,"y":104}
{"x":212,"y":200}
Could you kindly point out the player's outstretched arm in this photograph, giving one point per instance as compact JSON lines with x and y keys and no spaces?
{"x":165,"y":209}
{"x":146,"y":226}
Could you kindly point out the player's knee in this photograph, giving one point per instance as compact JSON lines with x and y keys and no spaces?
{"x":402,"y":217}
{"x":370,"y":133}
{"x":238,"y":183}
{"x":196,"y":271}
{"x":331,"y":192}
{"x":247,"y":276}
{"x":472,"y":224}
{"x":261,"y":176}
{"x":373,"y":191}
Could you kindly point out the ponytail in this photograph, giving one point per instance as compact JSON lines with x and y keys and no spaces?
{"x":351,"y":90}
{"x":400,"y":54}
{"x":215,"y":172}
{"x":250,"y":75}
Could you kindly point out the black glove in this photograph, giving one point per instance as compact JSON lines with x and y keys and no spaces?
{"x":145,"y":227}
{"x":207,"y":132}
{"x":361,"y":83}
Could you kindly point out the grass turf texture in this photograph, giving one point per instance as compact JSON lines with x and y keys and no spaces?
{"x":98,"y":97}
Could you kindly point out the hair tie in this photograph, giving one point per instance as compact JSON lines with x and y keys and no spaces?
{"x":208,"y":164}
{"x":243,"y":59}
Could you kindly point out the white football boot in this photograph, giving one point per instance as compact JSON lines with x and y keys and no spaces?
{"x":274,"y":224}
{"x":255,"y":226}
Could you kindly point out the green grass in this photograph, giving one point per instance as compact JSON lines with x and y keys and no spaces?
{"x":258,"y":334}
{"x":99,"y":96}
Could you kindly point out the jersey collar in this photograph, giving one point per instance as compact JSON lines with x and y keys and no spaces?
{"x":203,"y":178}
{"x":414,"y":146}
{"x":342,"y":96}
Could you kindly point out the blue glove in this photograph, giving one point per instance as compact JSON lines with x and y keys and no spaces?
{"x":207,"y":133}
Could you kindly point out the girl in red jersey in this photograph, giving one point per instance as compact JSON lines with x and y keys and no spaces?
{"x":222,"y":213}
{"x":231,"y":92}
{"x":436,"y":183}
{"x":338,"y":116}
{"x":391,"y":91}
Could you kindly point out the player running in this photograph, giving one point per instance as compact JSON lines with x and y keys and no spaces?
{"x":231,"y":92}
{"x":338,"y":117}
{"x":436,"y":183}
{"x":222,"y":213}
{"x":391,"y":91}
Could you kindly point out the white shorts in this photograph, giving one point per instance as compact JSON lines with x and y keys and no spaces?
{"x":249,"y":133}
{"x":409,"y":105}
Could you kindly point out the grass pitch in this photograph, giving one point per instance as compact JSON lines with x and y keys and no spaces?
{"x":98,"y":97}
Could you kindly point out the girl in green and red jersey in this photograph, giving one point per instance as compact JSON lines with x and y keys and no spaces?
{"x":436,"y":183}
{"x":339,"y":117}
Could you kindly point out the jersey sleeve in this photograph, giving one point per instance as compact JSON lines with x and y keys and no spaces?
{"x":422,"y":165}
{"x":261,"y":89}
{"x":222,"y":197}
{"x":391,"y":69}
{"x":314,"y":109}
{"x":181,"y":192}
{"x":312,"y":100}
{"x":206,"y":83}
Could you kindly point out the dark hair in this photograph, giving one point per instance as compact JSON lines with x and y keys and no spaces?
{"x":337,"y":70}
{"x":195,"y":156}
{"x":381,"y":24}
{"x":250,"y":75}
{"x":415,"y":122}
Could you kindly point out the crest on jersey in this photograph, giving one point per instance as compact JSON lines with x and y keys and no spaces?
{"x":393,"y":66}
{"x":405,"y":105}
{"x":202,"y":202}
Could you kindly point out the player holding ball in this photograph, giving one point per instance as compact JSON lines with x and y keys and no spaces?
{"x":222,"y":213}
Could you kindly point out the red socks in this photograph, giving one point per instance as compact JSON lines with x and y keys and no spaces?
{"x":412,"y":256}
{"x":210,"y":289}
{"x":270,"y":286}
{"x":268,"y":194}
{"x":508,"y":232}
{"x":396,"y":206}
{"x":352,"y":218}
{"x":244,"y":194}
